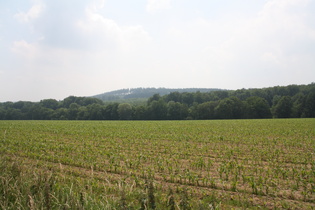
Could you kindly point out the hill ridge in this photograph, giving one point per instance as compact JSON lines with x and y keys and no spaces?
{"x":140,"y":92}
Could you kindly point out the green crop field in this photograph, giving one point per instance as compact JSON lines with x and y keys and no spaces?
{"x":157,"y":164}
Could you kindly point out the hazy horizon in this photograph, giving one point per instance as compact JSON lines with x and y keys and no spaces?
{"x":223,"y":89}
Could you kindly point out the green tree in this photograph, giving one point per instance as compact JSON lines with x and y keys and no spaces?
{"x":67,"y":101}
{"x":49,"y":103}
{"x":2,"y":113}
{"x":173,"y":96}
{"x":13,"y":114}
{"x":183,"y":111}
{"x":83,"y":113}
{"x":199,"y":97}
{"x":96,"y":112}
{"x":124,"y":111}
{"x":176,"y":111}
{"x":221,"y":94}
{"x":140,"y":113}
{"x":193,"y":112}
{"x":187,"y":98}
{"x":155,"y":97}
{"x":87,"y":101}
{"x":38,"y":112}
{"x":257,"y":107}
{"x":111,"y":112}
{"x":230,"y":108}
{"x":206,"y":110}
{"x":298,"y":105}
{"x":242,"y":94}
{"x":60,"y":114}
{"x":283,"y":109}
{"x":157,"y":110}
{"x":293,"y":89}
{"x":309,"y":108}
{"x":73,"y":111}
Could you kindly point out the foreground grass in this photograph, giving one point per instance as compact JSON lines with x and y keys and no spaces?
{"x":161,"y":164}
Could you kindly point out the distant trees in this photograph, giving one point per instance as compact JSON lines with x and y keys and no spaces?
{"x":49,"y":103}
{"x":283,"y":108}
{"x":124,"y":111}
{"x":140,"y":113}
{"x":176,"y":111}
{"x":111,"y":112}
{"x":230,"y":108}
{"x":157,"y":109}
{"x":278,"y":102}
{"x":309,"y":105}
{"x":205,"y":111}
{"x":73,"y":111}
{"x":257,"y":108}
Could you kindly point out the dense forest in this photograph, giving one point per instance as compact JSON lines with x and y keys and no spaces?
{"x":293,"y":101}
{"x":144,"y":93}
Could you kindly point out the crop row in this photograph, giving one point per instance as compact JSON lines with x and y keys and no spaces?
{"x":271,"y":159}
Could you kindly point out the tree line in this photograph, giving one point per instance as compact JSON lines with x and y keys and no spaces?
{"x":293,"y":101}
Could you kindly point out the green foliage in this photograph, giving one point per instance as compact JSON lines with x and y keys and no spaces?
{"x":278,"y":102}
{"x":230,"y":108}
{"x":283,"y":109}
{"x":129,"y":95}
{"x":49,"y":103}
{"x":309,"y":109}
{"x":207,"y":110}
{"x":157,"y":110}
{"x":124,"y":111}
{"x":257,"y":108}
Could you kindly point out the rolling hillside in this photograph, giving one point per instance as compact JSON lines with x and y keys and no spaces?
{"x":144,"y":93}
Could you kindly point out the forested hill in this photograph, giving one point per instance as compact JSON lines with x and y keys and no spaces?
{"x":145,"y":93}
{"x":296,"y":101}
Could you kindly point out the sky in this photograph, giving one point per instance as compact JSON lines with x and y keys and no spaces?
{"x":54,"y":49}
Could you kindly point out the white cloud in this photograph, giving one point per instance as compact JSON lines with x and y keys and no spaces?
{"x":97,"y":5}
{"x":24,"y":49}
{"x":100,"y":53}
{"x":33,"y":13}
{"x":105,"y":34}
{"x":47,"y":72}
{"x":272,"y":43}
{"x":270,"y":57}
{"x":276,"y":6}
{"x":238,"y":52}
{"x":155,"y":5}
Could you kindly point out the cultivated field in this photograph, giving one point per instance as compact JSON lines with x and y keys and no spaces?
{"x":157,"y":164}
